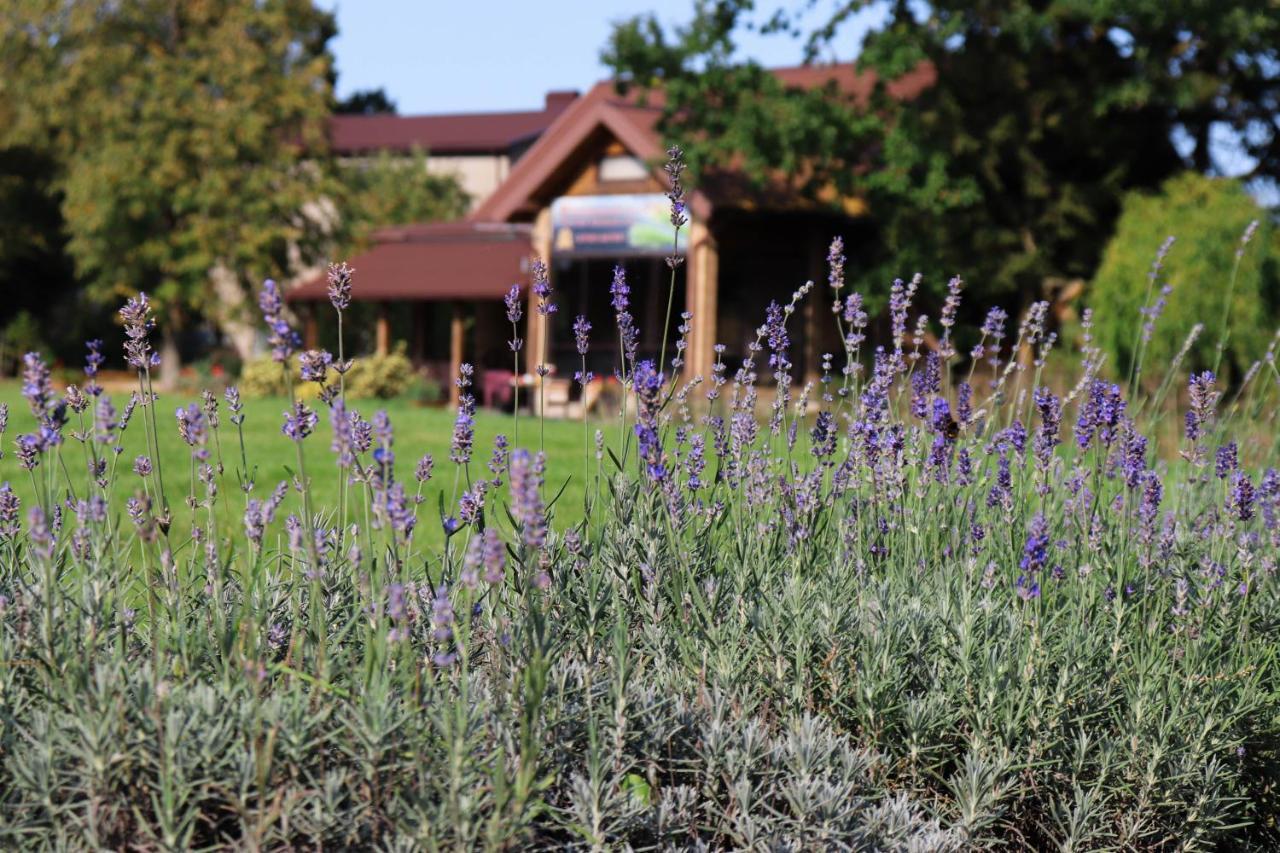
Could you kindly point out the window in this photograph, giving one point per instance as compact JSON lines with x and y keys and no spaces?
{"x":622,"y":167}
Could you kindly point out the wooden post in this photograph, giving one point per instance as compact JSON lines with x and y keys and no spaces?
{"x":701,"y":285}
{"x":456,"y":332}
{"x":383,"y":329}
{"x":535,"y":343}
{"x":311,"y":326}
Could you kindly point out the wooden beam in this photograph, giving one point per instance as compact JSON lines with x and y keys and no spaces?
{"x":534,"y":340}
{"x":457,"y":330}
{"x":382,"y":329}
{"x":311,"y":326}
{"x":701,"y":290}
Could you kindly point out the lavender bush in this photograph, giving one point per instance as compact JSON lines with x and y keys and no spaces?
{"x":926,"y":602}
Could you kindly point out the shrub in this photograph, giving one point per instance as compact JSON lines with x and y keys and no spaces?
{"x":380,"y":376}
{"x":930,"y":617}
{"x":370,"y":377}
{"x":1207,"y":217}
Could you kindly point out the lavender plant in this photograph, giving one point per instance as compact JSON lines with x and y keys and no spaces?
{"x":923,"y":605}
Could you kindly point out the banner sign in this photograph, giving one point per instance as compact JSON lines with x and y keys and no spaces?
{"x":614,"y":225}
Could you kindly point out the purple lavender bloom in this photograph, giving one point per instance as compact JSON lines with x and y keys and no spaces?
{"x":28,"y":451}
{"x":299,"y":422}
{"x":471,"y":504}
{"x":856,"y":318}
{"x":39,"y":534}
{"x":514,"y":308}
{"x":464,"y":430}
{"x":1050,"y":409}
{"x":422,"y":471}
{"x":339,"y":278}
{"x":1226,"y":460}
{"x":92,"y":363}
{"x":835,"y":265}
{"x":1100,"y":414}
{"x":37,"y":386}
{"x":494,"y":556}
{"x":1242,"y":496}
{"x":315,"y":365}
{"x":619,"y":291}
{"x":398,"y":509}
{"x":526,"y":497}
{"x":1204,"y":397}
{"x":255,"y":520}
{"x":191,"y":428}
{"x":823,"y":436}
{"x":775,"y":324}
{"x":1027,"y":588}
{"x":964,"y":403}
{"x":674,"y":168}
{"x":283,"y":339}
{"x":344,"y":439}
{"x":542,"y":288}
{"x":1269,"y":492}
{"x":648,"y":387}
{"x":899,"y":304}
{"x":9,"y":506}
{"x":1135,"y":458}
{"x":142,"y":466}
{"x":924,"y":384}
{"x":1036,"y":550}
{"x":232,"y":395}
{"x":136,"y":315}
{"x":950,"y":306}
{"x":442,"y":620}
{"x":581,"y":332}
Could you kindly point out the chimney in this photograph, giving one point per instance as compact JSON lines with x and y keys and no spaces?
{"x":558,"y":100}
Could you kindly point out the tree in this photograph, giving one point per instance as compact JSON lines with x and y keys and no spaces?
{"x":1011,"y":166}
{"x":366,"y":102}
{"x":1215,"y":281}
{"x":190,"y":136}
{"x":390,"y":189}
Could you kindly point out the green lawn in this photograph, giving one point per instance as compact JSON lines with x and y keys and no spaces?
{"x":418,"y":430}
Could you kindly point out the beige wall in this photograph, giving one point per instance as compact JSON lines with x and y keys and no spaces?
{"x":478,"y":174}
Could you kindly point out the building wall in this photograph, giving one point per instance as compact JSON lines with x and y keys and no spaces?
{"x":478,"y":174}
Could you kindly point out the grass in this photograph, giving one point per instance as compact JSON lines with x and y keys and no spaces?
{"x":272,"y":457}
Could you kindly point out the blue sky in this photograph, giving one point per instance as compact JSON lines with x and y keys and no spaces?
{"x":433,"y":56}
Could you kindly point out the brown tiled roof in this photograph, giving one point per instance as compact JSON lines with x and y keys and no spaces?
{"x":438,"y":261}
{"x":461,"y":133}
{"x":634,"y":124}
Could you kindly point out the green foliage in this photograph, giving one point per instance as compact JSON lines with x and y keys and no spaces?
{"x":382,"y":377}
{"x":1207,"y":217}
{"x":391,"y":189}
{"x":188,"y":134}
{"x":366,"y":102}
{"x":1010,"y":167}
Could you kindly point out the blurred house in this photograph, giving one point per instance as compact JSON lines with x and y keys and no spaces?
{"x":580,"y":184}
{"x":477,"y":149}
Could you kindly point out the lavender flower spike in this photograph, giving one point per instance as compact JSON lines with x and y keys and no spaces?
{"x":283,"y":339}
{"x":339,"y":276}
{"x":136,"y":315}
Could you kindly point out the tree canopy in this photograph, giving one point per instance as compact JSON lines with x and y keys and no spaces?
{"x":188,"y":135}
{"x":1010,"y":168}
{"x":1205,"y":276}
{"x":366,"y":102}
